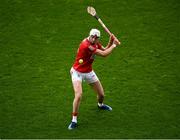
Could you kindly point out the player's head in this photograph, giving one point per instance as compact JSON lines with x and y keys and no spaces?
{"x":95,"y":32}
{"x":94,"y":35}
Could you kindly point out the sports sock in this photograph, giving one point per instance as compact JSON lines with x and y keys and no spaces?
{"x":100,"y":104}
{"x":74,"y":117}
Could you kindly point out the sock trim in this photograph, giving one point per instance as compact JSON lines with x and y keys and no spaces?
{"x":74,"y":113}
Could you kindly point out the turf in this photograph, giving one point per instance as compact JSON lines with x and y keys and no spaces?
{"x":38,"y":43}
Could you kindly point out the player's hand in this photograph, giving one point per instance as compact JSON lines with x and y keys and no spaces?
{"x":116,"y":41}
{"x":112,"y":37}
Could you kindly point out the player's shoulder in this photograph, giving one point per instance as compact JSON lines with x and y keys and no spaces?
{"x":85,"y":43}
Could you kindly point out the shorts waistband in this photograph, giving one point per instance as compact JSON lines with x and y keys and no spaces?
{"x":81,"y":72}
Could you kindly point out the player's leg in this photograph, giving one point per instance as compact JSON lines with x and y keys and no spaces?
{"x":94,"y":82}
{"x":77,"y":86}
{"x":100,"y":95}
{"x":97,"y":87}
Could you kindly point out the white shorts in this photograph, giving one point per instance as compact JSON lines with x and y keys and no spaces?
{"x":89,"y":77}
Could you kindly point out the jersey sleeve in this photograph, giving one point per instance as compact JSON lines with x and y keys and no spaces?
{"x":100,"y":46}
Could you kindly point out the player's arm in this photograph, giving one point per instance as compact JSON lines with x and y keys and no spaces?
{"x":107,"y":51}
{"x":111,"y":39}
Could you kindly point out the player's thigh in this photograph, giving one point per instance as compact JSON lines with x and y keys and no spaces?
{"x":77,"y":86}
{"x":76,"y":81}
{"x":91,"y":77}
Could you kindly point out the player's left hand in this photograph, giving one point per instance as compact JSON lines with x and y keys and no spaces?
{"x":112,"y":37}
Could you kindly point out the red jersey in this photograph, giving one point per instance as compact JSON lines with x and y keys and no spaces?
{"x":86,"y":55}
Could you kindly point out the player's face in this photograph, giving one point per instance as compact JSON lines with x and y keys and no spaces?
{"x":94,"y":39}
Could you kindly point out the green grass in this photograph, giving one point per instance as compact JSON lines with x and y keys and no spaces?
{"x":38,"y":42}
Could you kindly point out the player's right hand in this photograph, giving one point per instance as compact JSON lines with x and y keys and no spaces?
{"x":116,"y":41}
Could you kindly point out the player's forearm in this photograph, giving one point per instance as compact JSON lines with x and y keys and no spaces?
{"x":110,"y":49}
{"x":106,"y":52}
{"x":109,"y":44}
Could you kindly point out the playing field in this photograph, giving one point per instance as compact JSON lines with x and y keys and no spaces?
{"x":38,"y":43}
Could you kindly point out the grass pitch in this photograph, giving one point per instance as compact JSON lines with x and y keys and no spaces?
{"x":38,"y":43}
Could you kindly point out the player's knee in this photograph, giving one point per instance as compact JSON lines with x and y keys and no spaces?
{"x":78,"y":95}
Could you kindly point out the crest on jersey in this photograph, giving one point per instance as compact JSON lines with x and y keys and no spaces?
{"x":91,"y":48}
